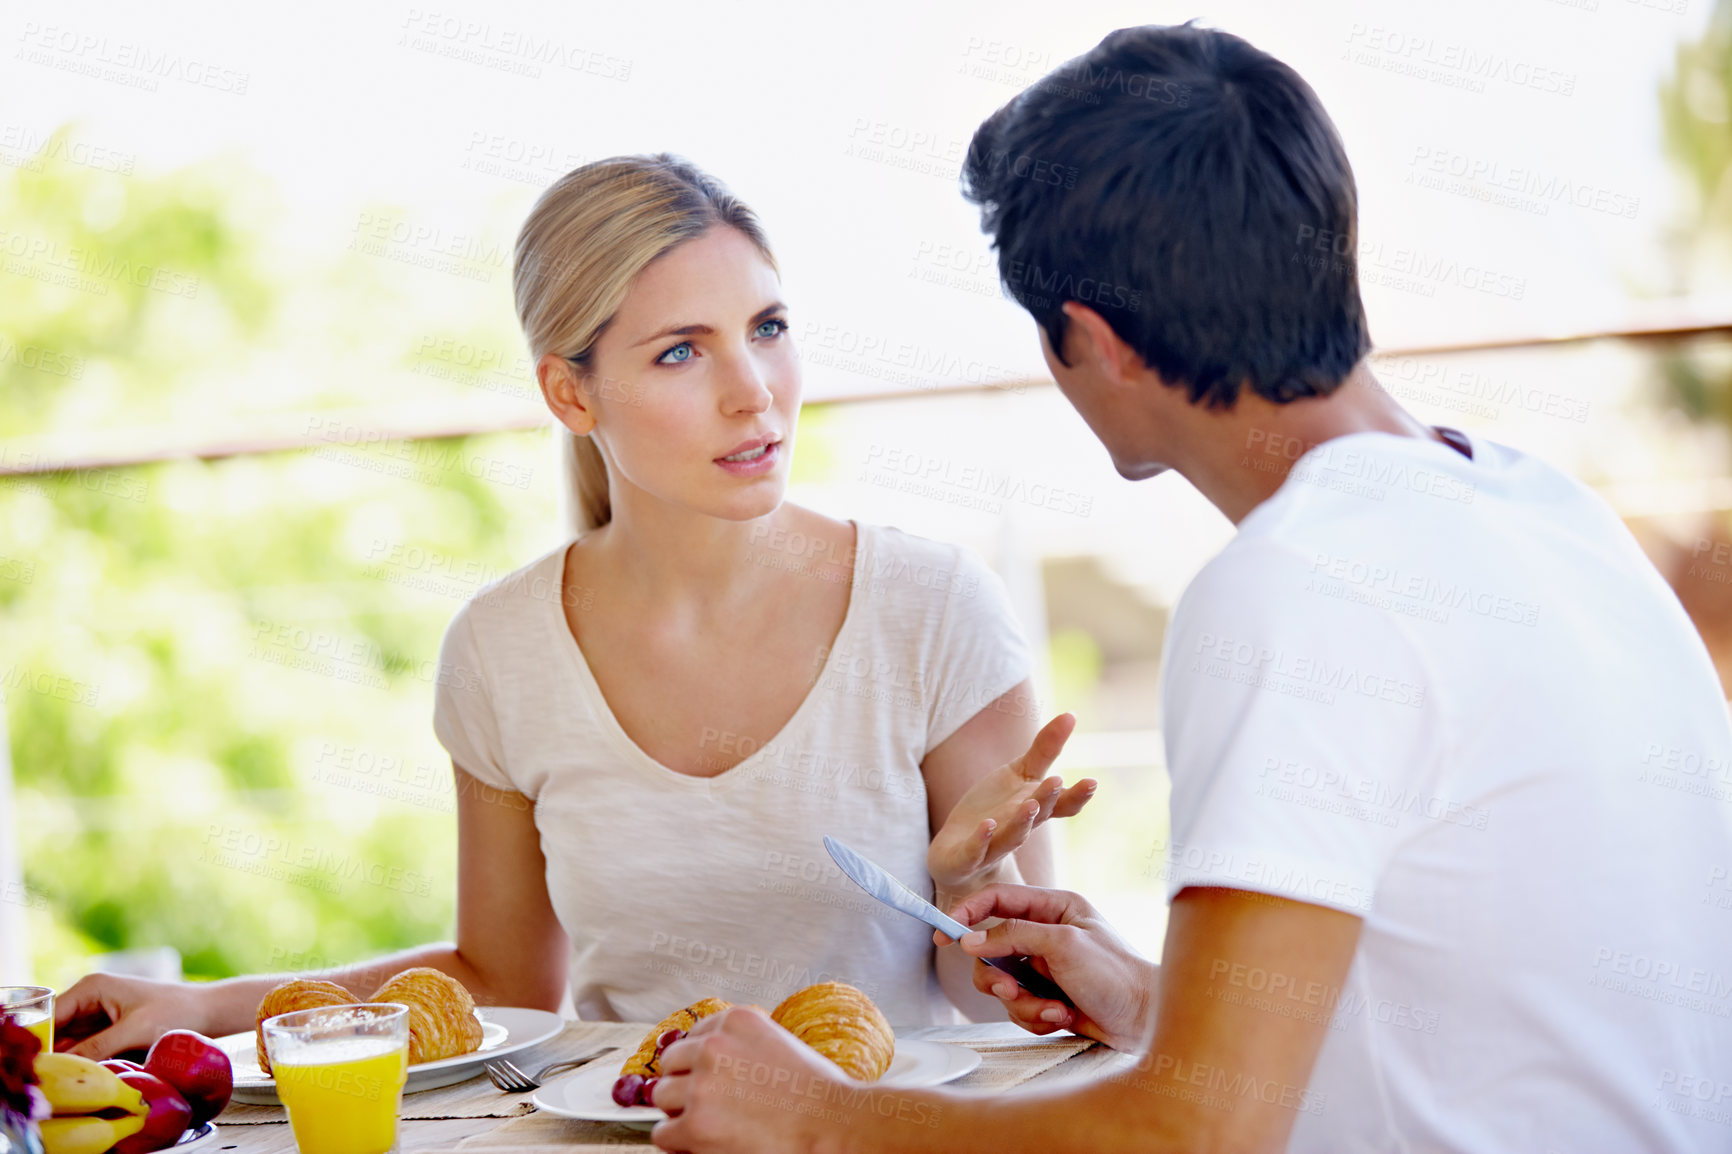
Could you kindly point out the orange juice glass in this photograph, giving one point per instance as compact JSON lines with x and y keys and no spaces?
{"x":340,"y":1072}
{"x":33,"y":1008}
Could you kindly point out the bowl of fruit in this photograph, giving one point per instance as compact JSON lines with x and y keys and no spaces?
{"x":122,"y":1107}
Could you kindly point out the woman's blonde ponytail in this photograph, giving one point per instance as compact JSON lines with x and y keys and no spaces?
{"x":585,"y":490}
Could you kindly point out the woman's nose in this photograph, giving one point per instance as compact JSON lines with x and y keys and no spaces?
{"x":748,"y":388}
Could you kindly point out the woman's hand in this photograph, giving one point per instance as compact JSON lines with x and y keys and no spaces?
{"x":105,"y":1014}
{"x":1110,"y":985}
{"x":738,"y":1082}
{"x":999,"y":811}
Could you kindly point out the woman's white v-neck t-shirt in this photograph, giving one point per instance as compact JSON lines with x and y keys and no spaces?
{"x":672,"y":887}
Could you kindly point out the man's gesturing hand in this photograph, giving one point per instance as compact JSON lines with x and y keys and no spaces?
{"x":1111,"y":986}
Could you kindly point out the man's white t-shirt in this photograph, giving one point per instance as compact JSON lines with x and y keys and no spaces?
{"x":674,"y":888}
{"x":1453,"y":698}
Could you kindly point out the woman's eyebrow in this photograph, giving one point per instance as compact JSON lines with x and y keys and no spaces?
{"x":705,"y":330}
{"x":680,"y":331}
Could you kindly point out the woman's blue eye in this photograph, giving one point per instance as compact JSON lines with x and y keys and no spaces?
{"x":683,"y":352}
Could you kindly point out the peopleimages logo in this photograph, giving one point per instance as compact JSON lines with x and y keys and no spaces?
{"x":1658,"y":757}
{"x":764,"y":973}
{"x":1300,"y":779}
{"x":1382,"y":473}
{"x":1056,"y":285}
{"x":516,"y":50}
{"x":1426,"y":589}
{"x":1667,"y":972}
{"x":1191,"y":861}
{"x":126,"y":62}
{"x":85,"y":269}
{"x":930,"y":473}
{"x":1454,"y":64}
{"x":1526,"y":184}
{"x":283,"y":859}
{"x":1467,"y":390}
{"x":1278,"y":669}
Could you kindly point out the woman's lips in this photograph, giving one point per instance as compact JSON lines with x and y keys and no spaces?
{"x":754,"y":461}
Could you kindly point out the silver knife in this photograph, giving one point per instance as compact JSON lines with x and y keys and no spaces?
{"x":882,"y":884}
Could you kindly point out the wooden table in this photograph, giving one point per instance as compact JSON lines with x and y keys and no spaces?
{"x":1009,"y":1054}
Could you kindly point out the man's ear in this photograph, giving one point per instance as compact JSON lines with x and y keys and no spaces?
{"x":1095,"y":341}
{"x":563,"y":390}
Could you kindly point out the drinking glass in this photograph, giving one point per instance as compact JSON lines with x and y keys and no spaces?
{"x":33,"y":1008}
{"x":340,"y":1072}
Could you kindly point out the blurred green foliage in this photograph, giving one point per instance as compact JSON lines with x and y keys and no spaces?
{"x":1696,"y":123}
{"x":219,"y":675}
{"x":1695,"y":112}
{"x":111,"y":281}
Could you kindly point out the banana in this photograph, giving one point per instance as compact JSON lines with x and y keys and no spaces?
{"x":87,"y":1135}
{"x":75,"y":1085}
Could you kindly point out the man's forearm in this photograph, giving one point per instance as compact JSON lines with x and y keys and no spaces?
{"x":1118,"y":1115}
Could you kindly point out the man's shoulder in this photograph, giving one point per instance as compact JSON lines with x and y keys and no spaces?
{"x":1403,"y":498}
{"x":1254,"y":570}
{"x":1281,"y":579}
{"x":1377,"y":477}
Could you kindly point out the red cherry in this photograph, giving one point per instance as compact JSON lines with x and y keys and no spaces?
{"x":625,"y":1089}
{"x":645,"y":1091}
{"x":668,"y":1038}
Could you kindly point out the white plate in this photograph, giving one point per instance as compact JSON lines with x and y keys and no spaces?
{"x":199,"y":1137}
{"x":588,"y":1093}
{"x":504,"y":1030}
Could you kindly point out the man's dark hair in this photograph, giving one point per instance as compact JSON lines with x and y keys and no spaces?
{"x":1192,"y":191}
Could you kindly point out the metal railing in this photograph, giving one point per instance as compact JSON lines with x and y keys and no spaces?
{"x":277,"y":433}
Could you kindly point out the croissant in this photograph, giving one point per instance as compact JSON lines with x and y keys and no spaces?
{"x":647,"y":1060}
{"x":442,"y":1021}
{"x":296,"y":995}
{"x":842,"y":1024}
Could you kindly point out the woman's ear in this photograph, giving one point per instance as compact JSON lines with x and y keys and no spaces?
{"x":563,"y":390}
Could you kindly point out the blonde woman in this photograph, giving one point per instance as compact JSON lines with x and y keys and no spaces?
{"x":654,"y":725}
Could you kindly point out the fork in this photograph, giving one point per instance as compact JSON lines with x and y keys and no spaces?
{"x":510,"y":1079}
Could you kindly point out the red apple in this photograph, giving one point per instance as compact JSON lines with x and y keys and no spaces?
{"x":164,"y":1123}
{"x":198,"y":1068}
{"x":120,"y":1065}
